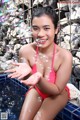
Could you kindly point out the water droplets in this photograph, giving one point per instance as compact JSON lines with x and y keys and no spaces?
{"x":39,"y":99}
{"x":43,"y":58}
{"x":47,"y":61}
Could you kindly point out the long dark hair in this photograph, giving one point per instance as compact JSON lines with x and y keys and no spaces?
{"x":49,"y":11}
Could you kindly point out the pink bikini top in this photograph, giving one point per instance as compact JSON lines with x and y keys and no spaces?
{"x":52,"y":74}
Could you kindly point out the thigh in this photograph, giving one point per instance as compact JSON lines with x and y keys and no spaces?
{"x":52,"y":106}
{"x":31,"y":105}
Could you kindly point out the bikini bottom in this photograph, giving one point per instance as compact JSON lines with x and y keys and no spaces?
{"x":43,"y":96}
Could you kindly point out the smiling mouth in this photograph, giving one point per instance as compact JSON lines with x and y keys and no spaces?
{"x":39,"y":41}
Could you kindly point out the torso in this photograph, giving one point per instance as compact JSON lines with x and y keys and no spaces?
{"x":29,"y":52}
{"x":43,"y":65}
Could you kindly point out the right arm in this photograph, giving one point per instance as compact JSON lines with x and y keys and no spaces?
{"x":23,"y":69}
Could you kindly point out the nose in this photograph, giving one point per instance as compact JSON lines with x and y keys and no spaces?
{"x":41,"y":33}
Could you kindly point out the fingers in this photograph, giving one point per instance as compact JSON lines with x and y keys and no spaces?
{"x":16,"y":64}
{"x":10,"y":70}
{"x":28,"y":81}
{"x":21,"y":76}
{"x":25,"y":82}
{"x":14,"y":75}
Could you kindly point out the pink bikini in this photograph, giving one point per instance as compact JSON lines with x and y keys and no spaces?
{"x":52,"y":75}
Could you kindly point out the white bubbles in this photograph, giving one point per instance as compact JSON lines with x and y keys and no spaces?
{"x":39,"y":99}
{"x":47,"y":61}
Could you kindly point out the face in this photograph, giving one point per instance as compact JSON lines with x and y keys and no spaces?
{"x":43,"y":30}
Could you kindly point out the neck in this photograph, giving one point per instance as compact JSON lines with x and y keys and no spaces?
{"x":47,"y":50}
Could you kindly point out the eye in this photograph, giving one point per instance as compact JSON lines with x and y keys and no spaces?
{"x":35,"y":28}
{"x":47,"y":28}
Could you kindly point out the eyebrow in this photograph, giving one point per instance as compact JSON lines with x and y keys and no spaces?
{"x":43,"y":26}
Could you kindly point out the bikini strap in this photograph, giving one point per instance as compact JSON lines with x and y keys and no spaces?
{"x":53,"y":55}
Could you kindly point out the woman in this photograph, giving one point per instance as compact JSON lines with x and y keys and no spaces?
{"x":48,"y":67}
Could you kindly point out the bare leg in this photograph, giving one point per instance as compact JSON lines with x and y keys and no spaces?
{"x":52,"y":106}
{"x":31,"y":105}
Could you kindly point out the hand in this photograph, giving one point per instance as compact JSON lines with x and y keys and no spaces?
{"x":19,"y":71}
{"x":33,"y":79}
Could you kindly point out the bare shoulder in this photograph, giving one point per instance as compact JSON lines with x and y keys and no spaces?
{"x":26,"y":49}
{"x":66,"y":55}
{"x":62,"y":57}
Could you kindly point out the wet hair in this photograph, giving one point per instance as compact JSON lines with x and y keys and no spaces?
{"x":39,"y":11}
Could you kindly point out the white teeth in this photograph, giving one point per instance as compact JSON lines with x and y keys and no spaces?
{"x":39,"y":40}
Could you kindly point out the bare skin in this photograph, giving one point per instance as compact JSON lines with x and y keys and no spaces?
{"x":49,"y":108}
{"x":34,"y":108}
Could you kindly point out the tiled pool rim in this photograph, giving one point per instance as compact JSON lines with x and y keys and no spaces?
{"x":70,"y":112}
